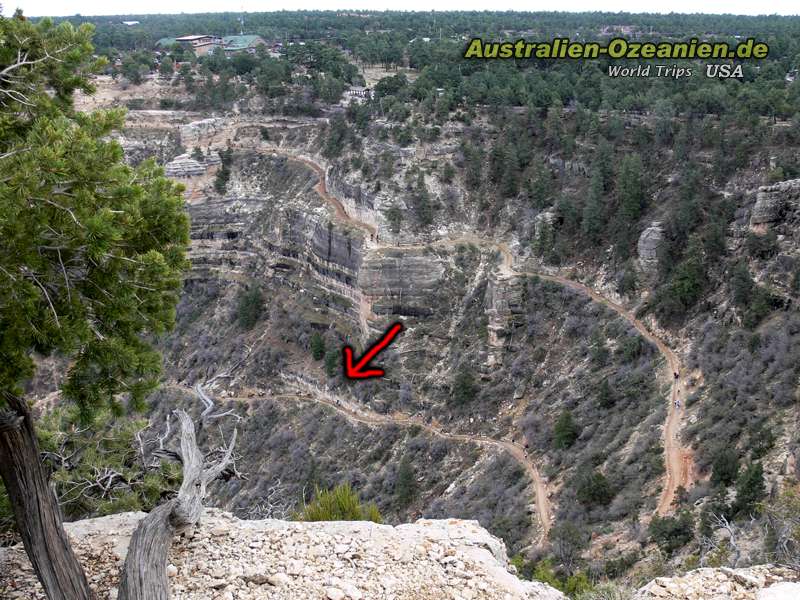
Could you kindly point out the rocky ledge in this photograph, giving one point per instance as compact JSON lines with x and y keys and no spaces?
{"x":762,"y":582}
{"x":226,"y":558}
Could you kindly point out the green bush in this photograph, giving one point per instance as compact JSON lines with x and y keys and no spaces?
{"x":565,"y":431}
{"x":672,"y":533}
{"x":110,"y":443}
{"x":317,"y":346}
{"x":332,"y":362}
{"x":394,"y":216}
{"x":249,"y":307}
{"x":762,"y":246}
{"x":464,"y":387}
{"x":605,"y":395}
{"x":725,"y":467}
{"x":406,"y":486}
{"x":750,"y":489}
{"x":593,"y":489}
{"x":339,"y":504}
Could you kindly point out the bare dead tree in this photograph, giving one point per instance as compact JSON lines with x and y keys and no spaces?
{"x":783,"y":525}
{"x":273,"y":505}
{"x":731,"y":535}
{"x":208,"y":412}
{"x":144,"y":575}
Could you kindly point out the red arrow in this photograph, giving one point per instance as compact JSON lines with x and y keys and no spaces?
{"x":358,"y":371}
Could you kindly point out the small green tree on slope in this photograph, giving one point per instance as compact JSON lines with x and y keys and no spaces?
{"x":91,"y":255}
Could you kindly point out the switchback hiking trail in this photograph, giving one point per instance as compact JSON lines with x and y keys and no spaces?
{"x":677,"y":459}
{"x":359,"y":414}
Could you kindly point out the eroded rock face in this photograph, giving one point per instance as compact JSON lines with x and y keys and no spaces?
{"x":197,"y":131}
{"x":754,"y":583}
{"x":504,"y":302}
{"x":401,"y":281}
{"x":648,"y":245}
{"x":183,"y":166}
{"x":225,"y":557}
{"x":772,"y":201}
{"x":143,"y":143}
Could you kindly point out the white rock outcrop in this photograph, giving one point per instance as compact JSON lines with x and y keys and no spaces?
{"x":197,"y":131}
{"x":762,"y":582}
{"x":184,"y":166}
{"x":227,"y":558}
{"x":649,"y":242}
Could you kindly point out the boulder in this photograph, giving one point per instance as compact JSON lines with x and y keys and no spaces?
{"x":762,"y":582}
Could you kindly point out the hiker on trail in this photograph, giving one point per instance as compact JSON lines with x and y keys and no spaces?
{"x":675,"y":374}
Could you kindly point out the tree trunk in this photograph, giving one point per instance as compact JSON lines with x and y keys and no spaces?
{"x":144,"y":575}
{"x":36,"y":510}
{"x":145,"y":572}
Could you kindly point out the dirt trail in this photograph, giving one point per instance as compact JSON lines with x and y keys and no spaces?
{"x":322,"y":189}
{"x":360,"y":414}
{"x":677,"y":459}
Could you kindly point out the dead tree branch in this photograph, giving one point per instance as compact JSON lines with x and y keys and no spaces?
{"x":144,"y":575}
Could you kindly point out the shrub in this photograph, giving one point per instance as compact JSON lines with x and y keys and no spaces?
{"x":762,"y":246}
{"x":750,"y":489}
{"x":567,"y":541}
{"x":783,"y":527}
{"x":543,"y":571}
{"x":577,"y":584}
{"x":593,"y":489}
{"x":605,"y":395}
{"x":725,"y":467}
{"x":338,"y":504}
{"x":332,"y":363}
{"x":317,"y":346}
{"x":448,"y":172}
{"x":394,"y":216}
{"x":406,"y":486}
{"x":672,"y":533}
{"x":565,"y":431}
{"x":464,"y":387}
{"x":249,"y":307}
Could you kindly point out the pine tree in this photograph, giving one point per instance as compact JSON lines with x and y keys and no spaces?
{"x":605,"y":395}
{"x":406,"y":487}
{"x":750,"y":489}
{"x":630,"y":189}
{"x":725,"y":467}
{"x":317,"y":346}
{"x":91,"y":255}
{"x":565,"y":431}
{"x":594,"y":489}
{"x":592,"y":222}
{"x":464,"y":387}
